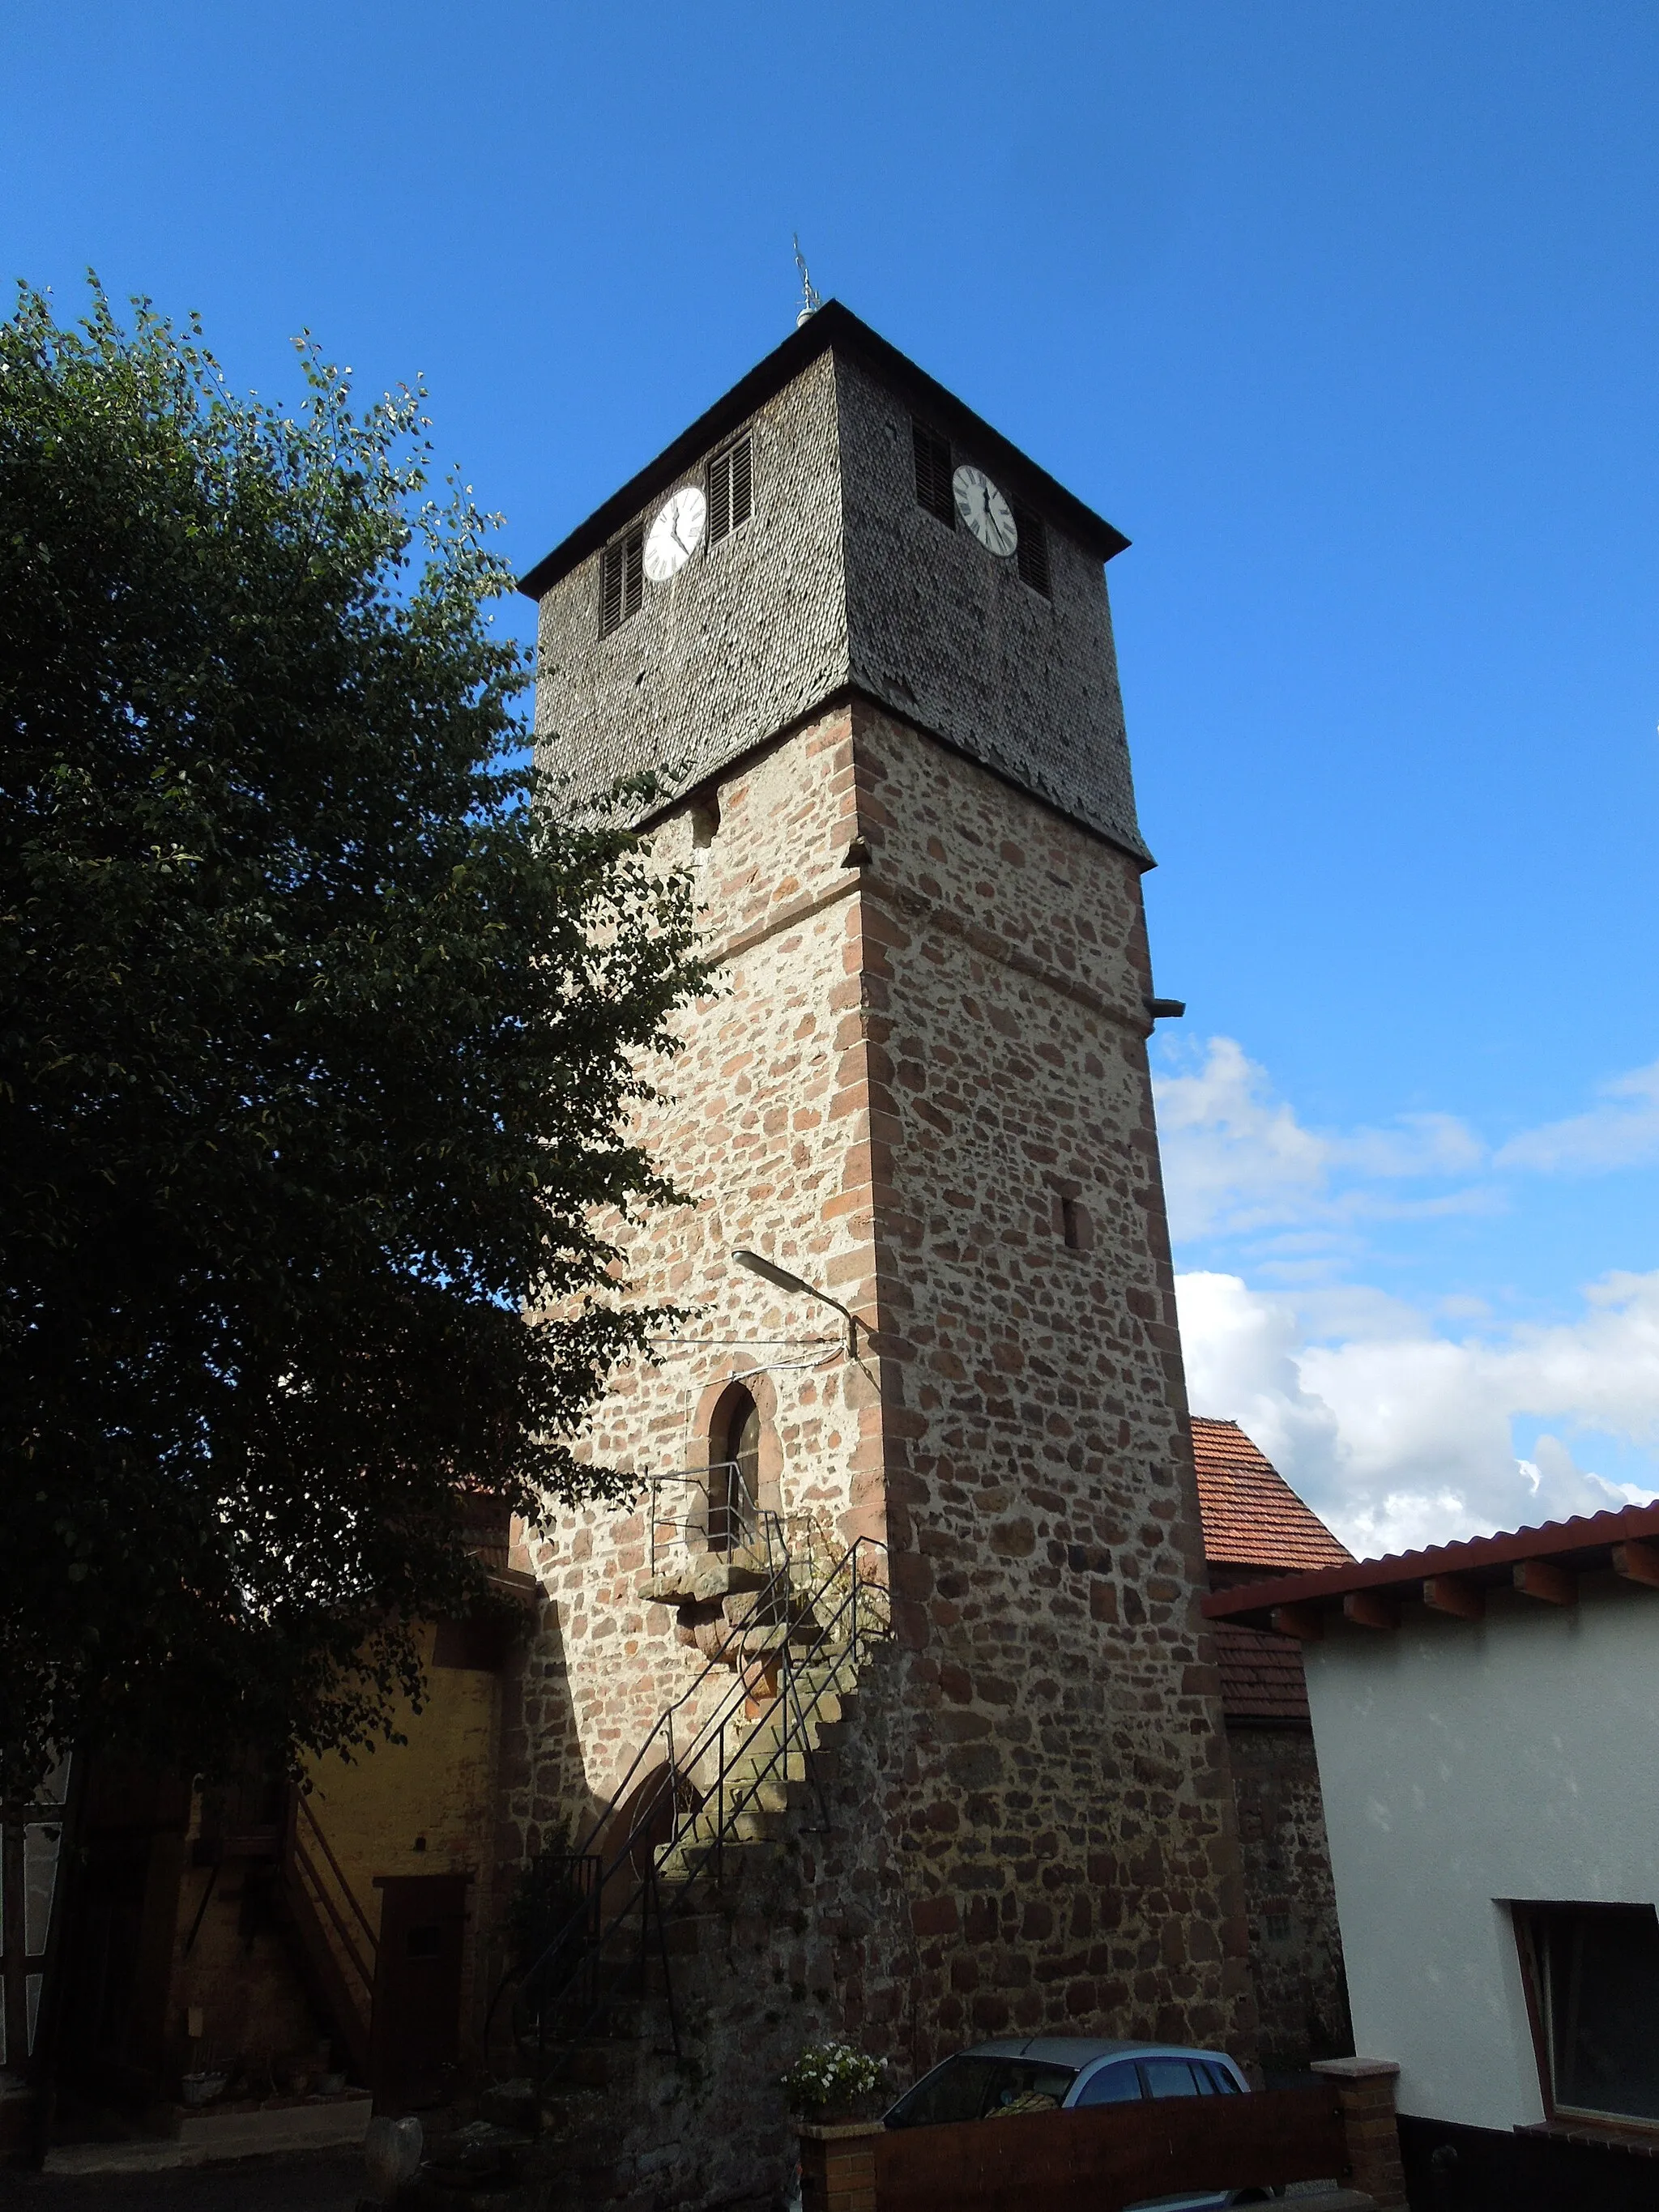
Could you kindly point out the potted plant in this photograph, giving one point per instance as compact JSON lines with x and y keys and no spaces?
{"x":831,"y":2083}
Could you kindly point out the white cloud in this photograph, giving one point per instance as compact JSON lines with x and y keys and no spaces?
{"x":1236,"y":1159}
{"x":1238,"y":1162}
{"x":1399,"y":1424}
{"x":1400,"y":1437}
{"x":1233,"y":1156}
{"x":1622,"y":1131}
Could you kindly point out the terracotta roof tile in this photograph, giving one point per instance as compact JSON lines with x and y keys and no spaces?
{"x":1261,"y":1676}
{"x":1252,"y":1518}
{"x":1620,"y":1542}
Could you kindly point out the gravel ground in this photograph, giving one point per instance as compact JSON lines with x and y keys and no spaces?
{"x":304,"y":2181}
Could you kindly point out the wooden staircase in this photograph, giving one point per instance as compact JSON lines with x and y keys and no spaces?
{"x":335,"y":1940}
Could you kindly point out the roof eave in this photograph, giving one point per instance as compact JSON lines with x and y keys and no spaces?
{"x":834,"y":327}
{"x":1488,"y":1560}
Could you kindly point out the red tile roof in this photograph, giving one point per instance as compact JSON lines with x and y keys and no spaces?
{"x":1261,"y":1676}
{"x":1252,"y":1518}
{"x":1452,"y":1578}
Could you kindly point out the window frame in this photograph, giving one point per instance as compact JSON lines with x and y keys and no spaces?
{"x":933,"y":445}
{"x":1527,"y":1918}
{"x":1031,"y":551}
{"x":626,"y":553}
{"x":724,"y":522}
{"x":1082,"y":2102}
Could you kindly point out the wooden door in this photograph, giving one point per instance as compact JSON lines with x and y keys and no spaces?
{"x":415,"y":2039}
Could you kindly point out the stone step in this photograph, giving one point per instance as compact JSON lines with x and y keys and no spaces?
{"x":771,"y":1764}
{"x":771,"y":1636}
{"x":752,"y":1835}
{"x":763,"y":1781}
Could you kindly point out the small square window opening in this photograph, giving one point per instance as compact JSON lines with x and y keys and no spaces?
{"x":1075,"y":1226}
{"x":933,"y":489}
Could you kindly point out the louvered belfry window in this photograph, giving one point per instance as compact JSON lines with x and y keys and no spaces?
{"x":1032,"y":551}
{"x":933,"y":473}
{"x":731,"y":488}
{"x":622,"y":584}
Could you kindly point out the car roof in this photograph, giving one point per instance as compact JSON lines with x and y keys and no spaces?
{"x":1080,"y":2050}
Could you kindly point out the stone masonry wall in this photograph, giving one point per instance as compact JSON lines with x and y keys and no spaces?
{"x":1065,"y":1814}
{"x":931,"y":1040}
{"x":760,"y":1119}
{"x":1296,"y":1944}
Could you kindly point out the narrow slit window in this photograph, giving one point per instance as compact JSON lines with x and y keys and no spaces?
{"x":621,"y":583}
{"x":934,"y":474}
{"x":1076,"y":1228}
{"x":1075,"y":1225}
{"x":731,"y":488}
{"x":1033,"y":552}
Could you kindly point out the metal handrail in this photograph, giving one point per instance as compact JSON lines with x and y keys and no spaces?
{"x":725,"y":1655}
{"x":840,"y":1649}
{"x":720,"y":1527}
{"x":699,"y":1524}
{"x":720,"y":1660}
{"x":538,"y":1986}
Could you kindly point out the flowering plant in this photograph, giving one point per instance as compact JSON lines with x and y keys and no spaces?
{"x":832,"y":2074}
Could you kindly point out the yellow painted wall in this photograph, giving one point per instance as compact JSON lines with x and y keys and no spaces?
{"x":439,"y":1786}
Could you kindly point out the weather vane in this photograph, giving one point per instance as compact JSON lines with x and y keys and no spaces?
{"x":810,"y":301}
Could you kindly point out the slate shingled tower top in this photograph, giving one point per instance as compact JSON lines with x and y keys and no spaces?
{"x":838,"y":579}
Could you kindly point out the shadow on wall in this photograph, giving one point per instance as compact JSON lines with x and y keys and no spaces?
{"x":1458,"y":2169}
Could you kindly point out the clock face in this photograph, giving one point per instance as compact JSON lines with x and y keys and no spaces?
{"x":985,"y":511}
{"x":675,"y":534}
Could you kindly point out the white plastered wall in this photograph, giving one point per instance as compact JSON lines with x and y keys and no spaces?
{"x":1465,"y":1764}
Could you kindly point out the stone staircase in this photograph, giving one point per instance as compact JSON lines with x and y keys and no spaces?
{"x":771,"y":1758}
{"x":709,"y":1792}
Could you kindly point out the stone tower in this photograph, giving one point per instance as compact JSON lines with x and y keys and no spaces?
{"x":870,"y":664}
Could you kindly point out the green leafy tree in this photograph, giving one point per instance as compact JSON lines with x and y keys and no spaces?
{"x":318,"y":1035}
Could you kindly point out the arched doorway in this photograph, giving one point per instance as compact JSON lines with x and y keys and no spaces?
{"x":735,"y":1473}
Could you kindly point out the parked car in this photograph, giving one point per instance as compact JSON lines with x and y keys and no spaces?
{"x":1065,"y":2073}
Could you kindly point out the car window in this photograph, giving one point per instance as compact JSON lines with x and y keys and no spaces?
{"x":1169,"y":2077}
{"x":1113,"y":2085}
{"x":1222,"y":2080}
{"x":969,"y":2089}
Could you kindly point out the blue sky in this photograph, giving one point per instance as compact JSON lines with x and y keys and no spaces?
{"x":1347,"y":314}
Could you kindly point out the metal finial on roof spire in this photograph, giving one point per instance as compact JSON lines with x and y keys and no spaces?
{"x":810,"y":301}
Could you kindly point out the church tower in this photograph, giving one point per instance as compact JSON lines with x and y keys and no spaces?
{"x":863,"y":644}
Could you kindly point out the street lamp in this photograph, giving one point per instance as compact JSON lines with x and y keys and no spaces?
{"x":781,"y":1279}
